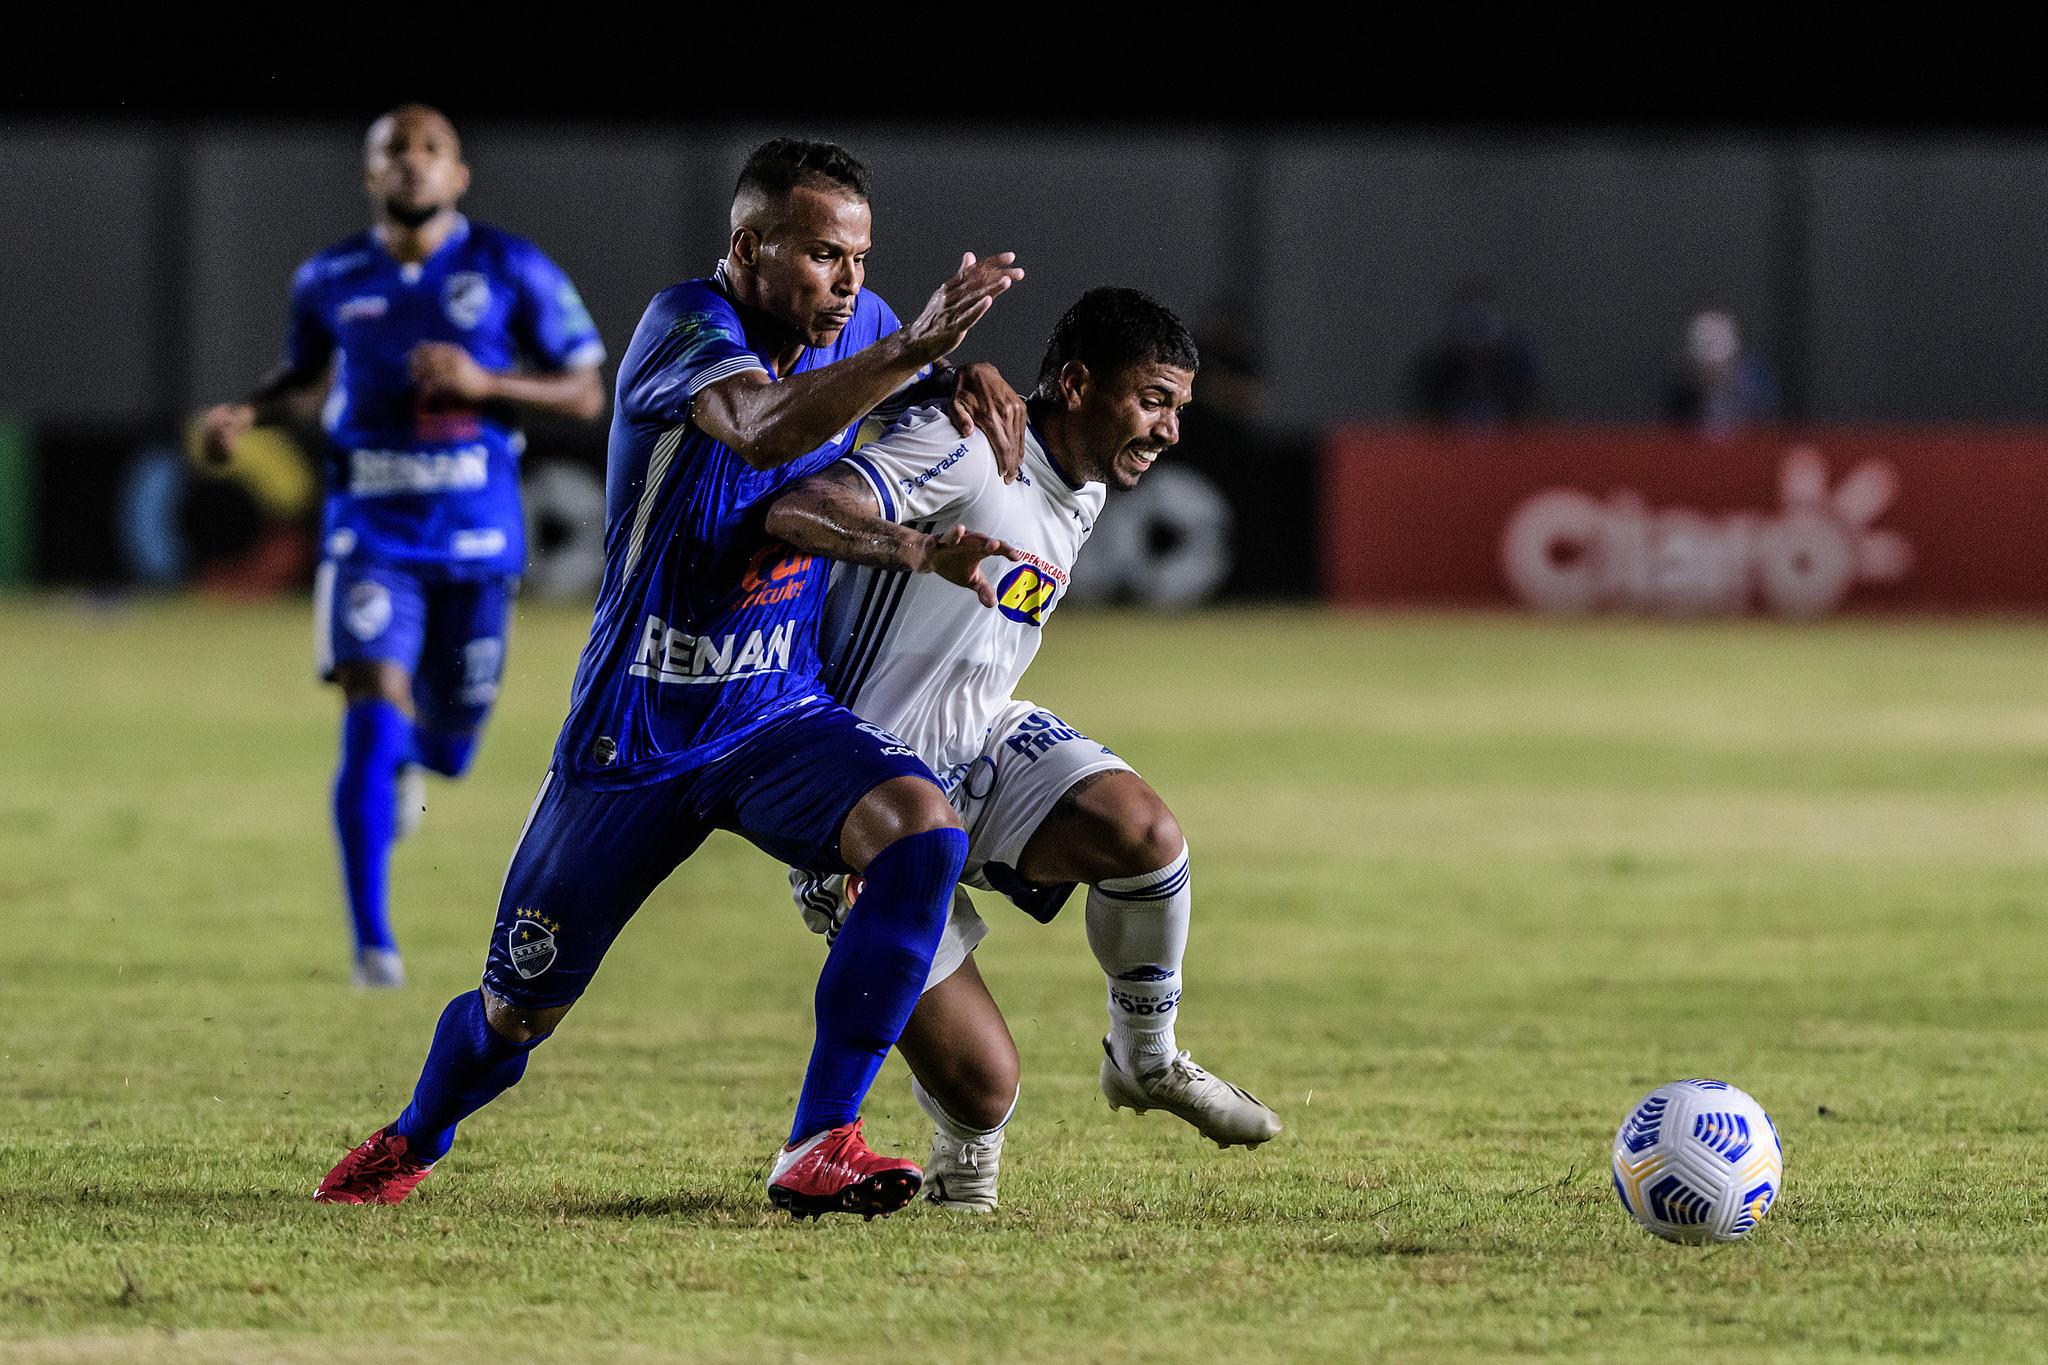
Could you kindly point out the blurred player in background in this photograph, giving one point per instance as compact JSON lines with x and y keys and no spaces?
{"x":697,"y":703}
{"x":1044,"y":806}
{"x":431,"y":329}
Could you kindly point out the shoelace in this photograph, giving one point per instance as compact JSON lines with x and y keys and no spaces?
{"x":381,"y":1162}
{"x":1183,"y":1075}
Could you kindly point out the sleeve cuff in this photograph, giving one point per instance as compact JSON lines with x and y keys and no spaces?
{"x":876,"y":482}
{"x":724,"y":369}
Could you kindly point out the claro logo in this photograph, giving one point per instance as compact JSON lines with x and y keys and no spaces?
{"x":1565,"y":550}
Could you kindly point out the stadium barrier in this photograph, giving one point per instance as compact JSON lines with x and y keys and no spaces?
{"x":1793,"y":522}
{"x":123,"y":505}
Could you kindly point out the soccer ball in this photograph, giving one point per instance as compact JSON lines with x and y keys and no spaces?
{"x":1698,"y":1161}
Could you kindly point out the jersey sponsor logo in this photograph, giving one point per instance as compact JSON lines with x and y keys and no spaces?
{"x":483,"y":663}
{"x":366,"y":306}
{"x":673,"y":656}
{"x":1139,"y":1004}
{"x":465,"y":298}
{"x":380,"y":473}
{"x":1038,"y":732}
{"x":481,"y":544}
{"x":912,"y":485}
{"x":775,"y":574}
{"x":1026,"y":594}
{"x":367,"y":611}
{"x":891,"y":746}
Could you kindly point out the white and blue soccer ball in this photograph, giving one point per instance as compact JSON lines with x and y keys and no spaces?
{"x":1698,"y":1161}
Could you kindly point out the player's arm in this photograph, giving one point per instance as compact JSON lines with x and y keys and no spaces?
{"x":445,"y":371}
{"x":768,"y":424}
{"x":555,"y":336}
{"x":977,"y":398}
{"x":835,"y":514}
{"x":308,"y":362}
{"x":270,"y":402}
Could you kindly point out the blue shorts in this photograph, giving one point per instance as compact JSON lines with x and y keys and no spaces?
{"x":449,"y":635}
{"x":587,"y":859}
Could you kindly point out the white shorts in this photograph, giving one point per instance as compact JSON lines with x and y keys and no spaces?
{"x":1028,"y":761}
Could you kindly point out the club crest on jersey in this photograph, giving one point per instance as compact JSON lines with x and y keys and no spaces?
{"x":465,"y":298}
{"x":367,"y":611}
{"x":530,"y":943}
{"x":1026,"y":595}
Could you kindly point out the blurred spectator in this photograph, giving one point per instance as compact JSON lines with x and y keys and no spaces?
{"x":1722,"y":386}
{"x":1479,"y":372}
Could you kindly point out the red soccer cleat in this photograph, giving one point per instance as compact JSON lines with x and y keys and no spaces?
{"x":376,"y":1171}
{"x":834,"y":1172}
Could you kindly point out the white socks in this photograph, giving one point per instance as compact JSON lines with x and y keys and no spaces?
{"x":1138,"y":928}
{"x":949,"y":1125}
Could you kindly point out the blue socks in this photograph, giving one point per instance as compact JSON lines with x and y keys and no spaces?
{"x":375,"y":737}
{"x":875,"y":972}
{"x":447,"y":752}
{"x":469,"y":1065}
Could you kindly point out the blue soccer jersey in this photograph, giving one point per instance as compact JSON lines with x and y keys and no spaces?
{"x":706,"y":629}
{"x":432,"y":486}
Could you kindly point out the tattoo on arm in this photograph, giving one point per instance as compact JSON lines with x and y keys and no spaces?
{"x":834,"y":514}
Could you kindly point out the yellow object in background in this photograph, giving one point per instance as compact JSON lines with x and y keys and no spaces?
{"x":267,"y":462}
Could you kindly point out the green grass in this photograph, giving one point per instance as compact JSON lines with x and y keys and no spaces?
{"x":1465,"y":888}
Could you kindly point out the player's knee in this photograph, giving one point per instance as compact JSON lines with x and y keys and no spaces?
{"x":918,"y":807}
{"x":978,"y":1091}
{"x":517,"y":1024}
{"x":374,"y":680}
{"x":447,"y":752}
{"x":1146,"y":838}
{"x":986,"y":1101}
{"x":901,"y":808}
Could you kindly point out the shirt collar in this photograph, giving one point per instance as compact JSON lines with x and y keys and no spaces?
{"x":1050,"y":458}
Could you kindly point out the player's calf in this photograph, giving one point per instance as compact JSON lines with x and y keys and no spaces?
{"x":906,"y":842}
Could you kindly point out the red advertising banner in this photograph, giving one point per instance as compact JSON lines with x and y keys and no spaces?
{"x":1794,"y":522}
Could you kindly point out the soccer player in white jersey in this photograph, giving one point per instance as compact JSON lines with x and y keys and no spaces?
{"x":1045,"y":807}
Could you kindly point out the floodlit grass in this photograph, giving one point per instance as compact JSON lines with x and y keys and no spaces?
{"x":1465,"y":888}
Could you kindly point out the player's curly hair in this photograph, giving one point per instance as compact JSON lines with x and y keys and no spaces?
{"x":779,"y":166}
{"x":1111,"y":329}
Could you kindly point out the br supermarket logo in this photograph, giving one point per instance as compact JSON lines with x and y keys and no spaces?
{"x":1565,"y":550}
{"x":1026,"y":594}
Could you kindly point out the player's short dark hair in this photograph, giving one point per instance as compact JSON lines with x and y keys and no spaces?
{"x":1111,"y":330}
{"x":779,"y":166}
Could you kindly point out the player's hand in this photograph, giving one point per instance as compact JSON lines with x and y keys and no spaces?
{"x":447,"y":372}
{"x":224,"y":425}
{"x":957,"y":556}
{"x":982,"y":397}
{"x":960,"y":303}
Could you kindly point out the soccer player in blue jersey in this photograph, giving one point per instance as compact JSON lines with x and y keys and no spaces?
{"x":430,"y":328}
{"x":697,"y":704}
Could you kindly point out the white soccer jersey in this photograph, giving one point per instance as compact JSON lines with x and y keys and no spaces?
{"x":921,"y":656}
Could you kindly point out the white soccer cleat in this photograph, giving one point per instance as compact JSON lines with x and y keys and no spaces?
{"x":412,"y":800}
{"x":962,"y":1175}
{"x":378,"y":969}
{"x":1219,"y":1111}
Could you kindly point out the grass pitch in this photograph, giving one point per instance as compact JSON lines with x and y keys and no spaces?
{"x":1465,"y":888}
